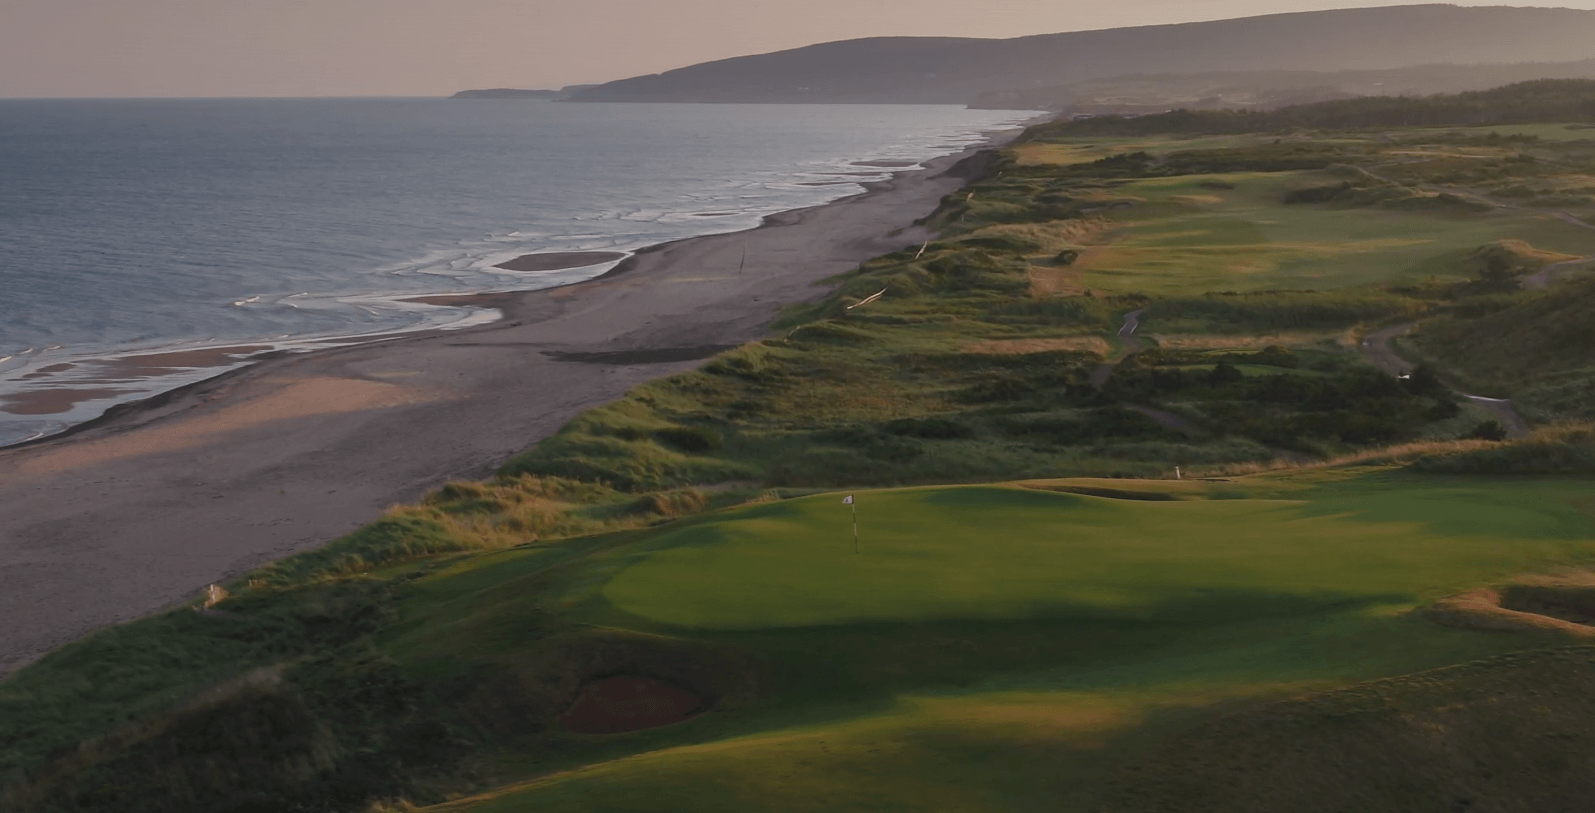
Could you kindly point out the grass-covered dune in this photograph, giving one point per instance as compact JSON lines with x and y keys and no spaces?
{"x":987,"y":648}
{"x":1538,"y":352}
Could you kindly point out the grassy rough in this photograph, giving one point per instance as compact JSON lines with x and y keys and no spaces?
{"x":1451,"y":739}
{"x":1536,"y":352}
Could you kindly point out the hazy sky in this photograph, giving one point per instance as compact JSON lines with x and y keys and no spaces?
{"x":433,"y":47}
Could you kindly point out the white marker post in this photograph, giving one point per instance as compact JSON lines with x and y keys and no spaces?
{"x":848,"y":501}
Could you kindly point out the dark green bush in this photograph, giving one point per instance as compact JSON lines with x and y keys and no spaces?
{"x":690,"y":438}
{"x":930,"y":428}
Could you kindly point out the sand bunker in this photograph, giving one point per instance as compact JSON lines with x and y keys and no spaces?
{"x":1564,"y":604}
{"x":616,"y":705}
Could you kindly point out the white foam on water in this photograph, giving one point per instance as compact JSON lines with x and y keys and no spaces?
{"x":373,"y":299}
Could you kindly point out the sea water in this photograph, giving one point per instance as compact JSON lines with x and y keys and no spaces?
{"x":137,"y":226}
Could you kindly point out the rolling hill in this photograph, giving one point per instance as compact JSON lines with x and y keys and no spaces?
{"x":959,"y":70}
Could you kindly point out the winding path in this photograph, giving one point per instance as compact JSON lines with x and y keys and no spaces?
{"x":1133,"y":345}
{"x":1378,"y":348}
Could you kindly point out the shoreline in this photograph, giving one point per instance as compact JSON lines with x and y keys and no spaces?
{"x":157,"y":373}
{"x":60,"y":389}
{"x":204,"y":482}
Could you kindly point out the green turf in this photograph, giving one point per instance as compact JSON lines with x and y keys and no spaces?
{"x":1546,"y":132}
{"x":996,"y":648}
{"x":1012,"y":553}
{"x":1188,"y":239}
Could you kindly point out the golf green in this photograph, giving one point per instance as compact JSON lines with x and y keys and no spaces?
{"x":1004,"y":552}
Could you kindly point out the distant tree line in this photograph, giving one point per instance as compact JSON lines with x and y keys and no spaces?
{"x":1543,"y":100}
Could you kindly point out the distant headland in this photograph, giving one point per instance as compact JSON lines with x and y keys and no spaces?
{"x":516,"y":93}
{"x":1255,"y":62}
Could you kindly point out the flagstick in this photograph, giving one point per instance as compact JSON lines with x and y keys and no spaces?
{"x":854,"y":506}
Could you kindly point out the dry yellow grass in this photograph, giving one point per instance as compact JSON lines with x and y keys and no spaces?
{"x":1391,"y":455}
{"x":1558,"y":603}
{"x":1406,"y":453}
{"x":502,"y":514}
{"x":1209,"y":341}
{"x":1032,"y":154}
{"x":1197,"y":200}
{"x":1048,"y":282}
{"x":1054,"y":235}
{"x":1535,"y":255}
{"x":1016,"y":347}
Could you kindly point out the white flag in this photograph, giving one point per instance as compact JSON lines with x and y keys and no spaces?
{"x":848,"y":500}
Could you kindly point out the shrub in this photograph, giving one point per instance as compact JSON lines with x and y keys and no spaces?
{"x":1557,"y":451}
{"x":689,"y":438}
{"x":388,"y":540}
{"x":930,"y":428}
{"x":678,"y":503}
{"x":1486,"y":430}
{"x":1006,"y":243}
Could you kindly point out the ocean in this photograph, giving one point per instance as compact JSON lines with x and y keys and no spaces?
{"x":134,"y":233}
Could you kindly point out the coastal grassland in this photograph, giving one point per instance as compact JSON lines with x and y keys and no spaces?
{"x":898,"y":378}
{"x":1003,"y":646}
{"x":960,"y":669}
{"x":955,"y":374}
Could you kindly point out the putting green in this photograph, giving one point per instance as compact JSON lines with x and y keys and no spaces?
{"x":1000,"y":552}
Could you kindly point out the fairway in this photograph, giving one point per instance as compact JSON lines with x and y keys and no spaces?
{"x":999,"y":648}
{"x":1547,"y":132}
{"x":998,"y":552}
{"x":1186,"y":238}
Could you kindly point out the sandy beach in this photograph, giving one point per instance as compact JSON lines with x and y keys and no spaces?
{"x":142,"y":508}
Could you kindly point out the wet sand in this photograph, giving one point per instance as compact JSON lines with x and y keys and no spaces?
{"x":58,"y":388}
{"x":52,"y":401}
{"x":142,"y":508}
{"x":560,"y":260}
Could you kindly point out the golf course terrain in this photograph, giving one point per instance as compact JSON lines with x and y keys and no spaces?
{"x":1015,"y":648}
{"x":1192,"y":468}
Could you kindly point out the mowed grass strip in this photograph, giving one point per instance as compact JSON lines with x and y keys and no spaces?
{"x":1004,"y":552}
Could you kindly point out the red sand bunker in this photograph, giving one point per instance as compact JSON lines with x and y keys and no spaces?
{"x":616,"y":705}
